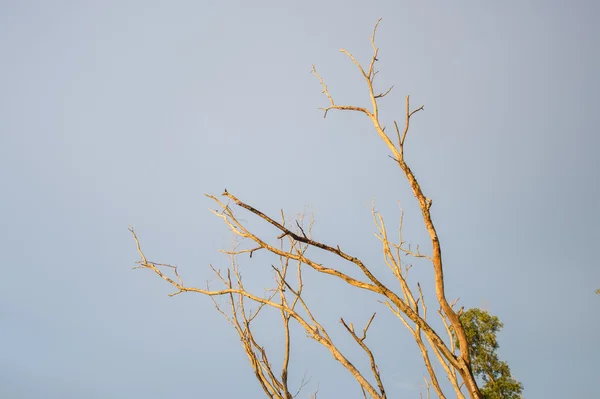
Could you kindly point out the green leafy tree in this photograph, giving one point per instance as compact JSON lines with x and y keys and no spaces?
{"x":481,"y":329}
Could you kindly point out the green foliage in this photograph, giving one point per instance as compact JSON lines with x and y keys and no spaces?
{"x":481,"y":329}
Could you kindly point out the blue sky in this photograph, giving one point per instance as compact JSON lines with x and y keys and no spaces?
{"x":126,"y":112}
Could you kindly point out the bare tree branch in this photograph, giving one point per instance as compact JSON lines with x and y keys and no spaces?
{"x":425,"y":203}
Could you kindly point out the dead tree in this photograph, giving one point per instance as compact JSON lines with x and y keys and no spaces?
{"x":295,"y":238}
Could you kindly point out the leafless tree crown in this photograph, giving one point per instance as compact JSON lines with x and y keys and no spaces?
{"x":295,"y":238}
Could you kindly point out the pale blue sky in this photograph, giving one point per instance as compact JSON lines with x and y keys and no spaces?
{"x":126,"y":112}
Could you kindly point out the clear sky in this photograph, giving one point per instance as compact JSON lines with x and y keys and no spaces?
{"x":126,"y":112}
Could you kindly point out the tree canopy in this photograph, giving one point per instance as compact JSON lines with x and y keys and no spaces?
{"x":481,"y":329}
